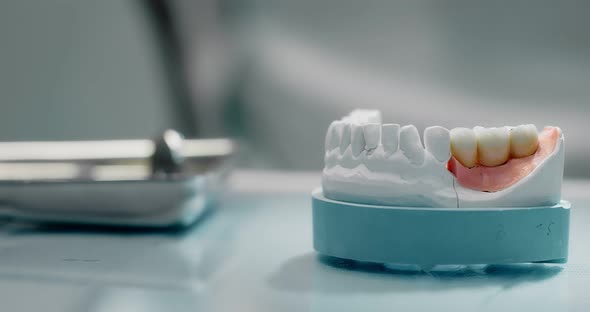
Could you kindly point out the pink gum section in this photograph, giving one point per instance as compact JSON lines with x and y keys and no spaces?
{"x":492,"y":179}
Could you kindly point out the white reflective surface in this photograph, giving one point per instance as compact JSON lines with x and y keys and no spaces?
{"x":255,"y":254}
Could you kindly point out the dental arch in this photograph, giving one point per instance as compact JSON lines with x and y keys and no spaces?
{"x":369,"y":162}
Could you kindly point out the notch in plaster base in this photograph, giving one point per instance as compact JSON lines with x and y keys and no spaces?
{"x":440,"y":236}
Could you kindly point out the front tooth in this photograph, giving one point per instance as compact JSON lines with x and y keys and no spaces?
{"x":364,"y":116}
{"x":410,"y":144}
{"x":524,"y":141}
{"x":334,"y":135}
{"x":357,"y":143}
{"x":437,"y":141}
{"x":493,"y":145}
{"x":464,"y":146}
{"x":390,"y":137}
{"x":345,"y":142}
{"x":372,"y":135}
{"x":374,"y":116}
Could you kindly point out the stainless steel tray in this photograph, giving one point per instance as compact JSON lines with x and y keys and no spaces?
{"x":162,"y":182}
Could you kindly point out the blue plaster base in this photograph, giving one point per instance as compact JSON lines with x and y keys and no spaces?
{"x":434,"y":236}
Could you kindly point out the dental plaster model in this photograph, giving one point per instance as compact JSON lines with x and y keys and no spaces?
{"x":469,"y":196}
{"x":373,"y":163}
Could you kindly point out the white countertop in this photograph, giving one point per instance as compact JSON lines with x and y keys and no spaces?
{"x":254,"y":253}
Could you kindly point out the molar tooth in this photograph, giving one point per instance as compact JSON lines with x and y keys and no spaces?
{"x":493,"y":145}
{"x":345,"y":142}
{"x":357,"y":143}
{"x":437,"y":140}
{"x":464,"y":146}
{"x":524,"y":141}
{"x":372,"y":135}
{"x":334,"y":135}
{"x":410,"y":144}
{"x":390,"y":137}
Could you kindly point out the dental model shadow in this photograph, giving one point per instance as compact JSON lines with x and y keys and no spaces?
{"x":24,"y":228}
{"x":316,"y":273}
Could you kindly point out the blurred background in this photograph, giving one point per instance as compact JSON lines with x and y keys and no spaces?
{"x":273,"y":73}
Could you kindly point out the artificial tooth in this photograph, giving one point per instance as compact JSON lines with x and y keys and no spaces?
{"x":464,"y":146}
{"x":334,"y":135}
{"x":372,"y":135}
{"x":437,"y":140}
{"x":357,"y":143}
{"x":345,"y":142}
{"x":524,"y":141}
{"x":493,"y":146}
{"x":390,"y":137}
{"x":478,"y":128}
{"x":410,"y":144}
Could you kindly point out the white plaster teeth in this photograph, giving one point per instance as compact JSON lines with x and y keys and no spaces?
{"x":524,"y":141}
{"x":357,"y":143}
{"x":334,"y":135}
{"x":390,"y":137}
{"x":493,"y":145}
{"x":362,"y":130}
{"x":411,"y":145}
{"x":437,"y":141}
{"x":373,"y":116}
{"x":345,"y":142}
{"x":372,"y":135}
{"x":385,"y":164}
{"x":364,"y":116}
{"x":464,"y":146}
